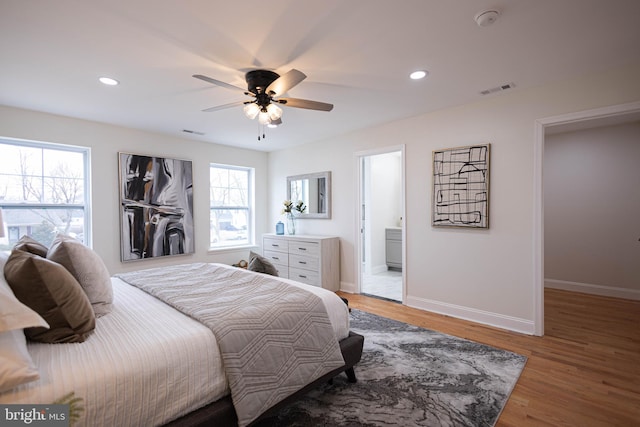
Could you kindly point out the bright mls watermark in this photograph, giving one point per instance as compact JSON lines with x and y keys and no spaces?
{"x":34,"y":415}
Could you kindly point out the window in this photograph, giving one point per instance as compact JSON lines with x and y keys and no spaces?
{"x":44,"y":190}
{"x":231,"y":212}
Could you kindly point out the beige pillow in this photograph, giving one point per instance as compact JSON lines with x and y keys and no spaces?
{"x":29,"y":244}
{"x":16,"y":365}
{"x":88,"y":269}
{"x":51,"y":291}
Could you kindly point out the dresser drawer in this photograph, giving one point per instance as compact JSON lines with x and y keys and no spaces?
{"x":277,"y":257}
{"x":301,"y":247}
{"x":304,"y":262}
{"x":305,"y":276}
{"x":278,"y":245}
{"x":312,"y":260}
{"x":283,"y":270}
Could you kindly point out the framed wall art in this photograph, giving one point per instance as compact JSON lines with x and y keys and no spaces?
{"x":460,"y":195}
{"x":156,"y":206}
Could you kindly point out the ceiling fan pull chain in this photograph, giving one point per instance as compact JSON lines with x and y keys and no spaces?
{"x":261,"y":129}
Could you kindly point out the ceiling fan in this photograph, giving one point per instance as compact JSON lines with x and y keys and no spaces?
{"x":266,"y":87}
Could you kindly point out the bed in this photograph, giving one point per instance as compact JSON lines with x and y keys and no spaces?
{"x":147,"y":363}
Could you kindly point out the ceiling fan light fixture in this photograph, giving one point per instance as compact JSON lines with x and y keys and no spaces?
{"x":274,"y":111}
{"x":275,"y":123}
{"x":251,"y":110}
{"x":263,"y":117}
{"x":266,"y":87}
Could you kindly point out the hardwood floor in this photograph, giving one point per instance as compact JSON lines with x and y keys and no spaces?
{"x":585,"y":371}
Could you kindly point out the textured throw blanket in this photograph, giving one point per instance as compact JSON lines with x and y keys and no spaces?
{"x":274,"y":338}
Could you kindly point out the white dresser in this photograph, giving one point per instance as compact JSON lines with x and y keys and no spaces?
{"x":314,"y":260}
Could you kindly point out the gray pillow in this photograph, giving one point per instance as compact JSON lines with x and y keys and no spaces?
{"x":88,"y":269}
{"x":260,"y":264}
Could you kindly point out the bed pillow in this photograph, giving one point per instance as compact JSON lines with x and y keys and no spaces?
{"x":50,"y":290}
{"x":16,"y":366}
{"x":29,"y":244}
{"x":260,"y":264}
{"x":88,"y":269}
{"x":13,"y":313}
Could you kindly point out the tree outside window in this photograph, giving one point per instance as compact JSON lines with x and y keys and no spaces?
{"x":43,"y":191}
{"x":231,"y":206}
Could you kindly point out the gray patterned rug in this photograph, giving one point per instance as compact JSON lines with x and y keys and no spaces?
{"x":410,"y":376}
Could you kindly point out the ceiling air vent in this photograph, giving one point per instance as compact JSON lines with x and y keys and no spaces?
{"x":497,"y":89}
{"x":193,"y":132}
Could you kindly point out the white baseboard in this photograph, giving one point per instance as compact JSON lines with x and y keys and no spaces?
{"x":348,"y":287}
{"x":474,"y":315}
{"x":478,"y":316}
{"x":586,"y":288}
{"x":377,"y":269}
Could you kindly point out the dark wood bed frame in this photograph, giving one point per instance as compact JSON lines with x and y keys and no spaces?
{"x":222,"y":413}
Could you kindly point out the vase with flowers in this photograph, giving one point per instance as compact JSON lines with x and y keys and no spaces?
{"x":290,"y":210}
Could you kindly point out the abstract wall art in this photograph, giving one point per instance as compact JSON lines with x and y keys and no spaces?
{"x":156,"y":207}
{"x":461,"y":187}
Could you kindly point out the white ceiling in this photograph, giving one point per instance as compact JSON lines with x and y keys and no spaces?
{"x":357,"y":55}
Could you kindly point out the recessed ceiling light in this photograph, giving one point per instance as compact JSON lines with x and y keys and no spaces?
{"x":417,"y":75}
{"x":108,"y":81}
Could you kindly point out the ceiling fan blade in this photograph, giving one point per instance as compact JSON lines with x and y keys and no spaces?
{"x":285,"y":82}
{"x":219,"y":83}
{"x":305,"y":103}
{"x":224,"y":106}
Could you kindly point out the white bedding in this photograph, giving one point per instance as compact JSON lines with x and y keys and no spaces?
{"x":145,"y":364}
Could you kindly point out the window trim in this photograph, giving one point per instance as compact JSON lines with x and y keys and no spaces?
{"x":250,"y":208}
{"x":86,"y":168}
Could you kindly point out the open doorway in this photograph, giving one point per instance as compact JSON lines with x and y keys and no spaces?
{"x":381,"y":225}
{"x":606,"y":116}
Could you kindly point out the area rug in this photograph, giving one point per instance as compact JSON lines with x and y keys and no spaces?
{"x":410,"y":376}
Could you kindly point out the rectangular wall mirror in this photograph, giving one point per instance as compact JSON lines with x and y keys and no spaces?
{"x":314,"y":190}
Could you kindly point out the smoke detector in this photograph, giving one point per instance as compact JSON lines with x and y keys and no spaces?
{"x":486,"y":17}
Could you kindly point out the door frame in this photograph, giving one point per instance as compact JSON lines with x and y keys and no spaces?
{"x":358,"y":157}
{"x":606,"y":115}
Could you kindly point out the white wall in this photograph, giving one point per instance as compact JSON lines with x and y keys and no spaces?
{"x":481,"y":275}
{"x":385,"y":204}
{"x":105,"y":142}
{"x":591,"y":206}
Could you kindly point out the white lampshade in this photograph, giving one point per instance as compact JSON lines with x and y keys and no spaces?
{"x":275,"y":123}
{"x":274,"y":111}
{"x":263,"y":118}
{"x":251,"y":110}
